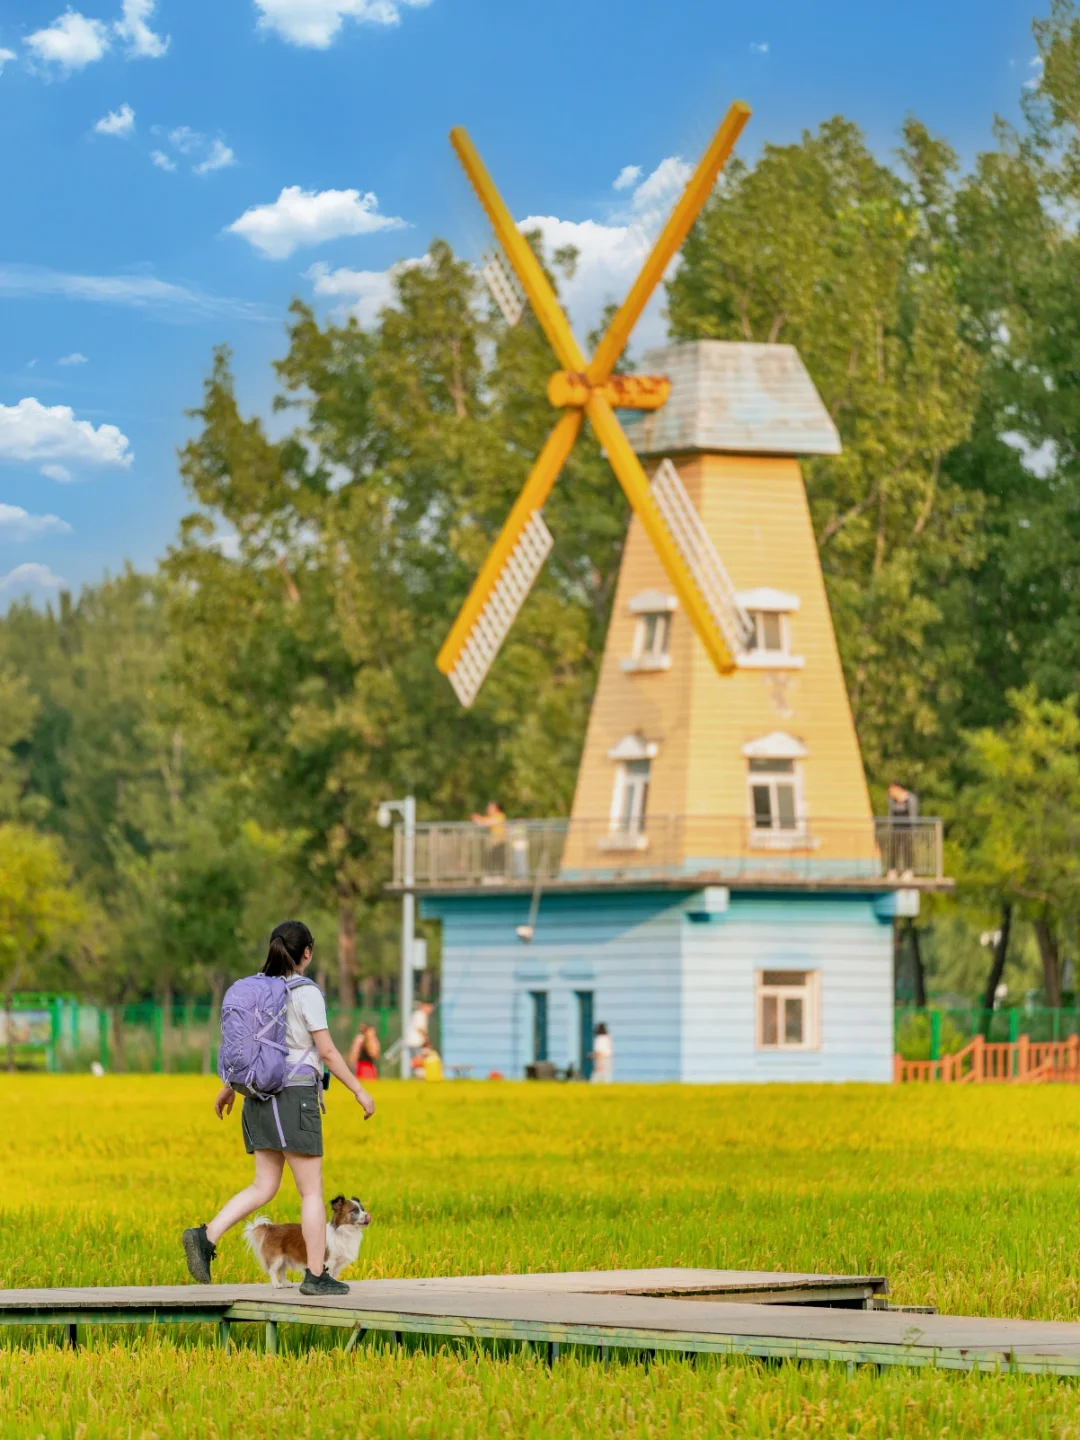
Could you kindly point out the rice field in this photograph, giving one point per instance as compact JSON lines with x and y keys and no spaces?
{"x":965,"y":1197}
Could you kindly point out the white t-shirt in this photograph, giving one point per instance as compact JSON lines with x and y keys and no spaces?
{"x":305,"y":1011}
{"x":604,"y":1063}
{"x":416,"y":1036}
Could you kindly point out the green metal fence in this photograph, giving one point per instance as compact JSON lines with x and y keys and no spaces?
{"x":59,"y":1033}
{"x":929,"y":1033}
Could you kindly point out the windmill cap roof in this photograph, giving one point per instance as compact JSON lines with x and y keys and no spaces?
{"x":733,"y":397}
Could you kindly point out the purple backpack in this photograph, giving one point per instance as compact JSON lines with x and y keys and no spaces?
{"x":253,"y":1055}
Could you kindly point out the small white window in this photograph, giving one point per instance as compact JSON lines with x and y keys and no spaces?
{"x":787,"y":1010}
{"x":631,"y":797}
{"x":652,"y":632}
{"x":769,"y":644}
{"x":770,"y":632}
{"x":652,"y":635}
{"x":774,"y":803}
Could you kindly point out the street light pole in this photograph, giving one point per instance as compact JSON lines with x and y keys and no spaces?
{"x":408,"y":926}
{"x":407,"y":810}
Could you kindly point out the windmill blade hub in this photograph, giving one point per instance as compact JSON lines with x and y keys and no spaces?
{"x":569,"y":389}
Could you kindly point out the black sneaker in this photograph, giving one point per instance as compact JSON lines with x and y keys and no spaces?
{"x":323,"y":1284}
{"x":199,"y":1252}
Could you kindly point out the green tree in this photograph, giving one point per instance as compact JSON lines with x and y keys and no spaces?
{"x":820,"y":245}
{"x":40,"y":911}
{"x":1016,"y":829}
{"x":308,"y":658}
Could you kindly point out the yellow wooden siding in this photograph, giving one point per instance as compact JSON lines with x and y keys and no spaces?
{"x":756,"y":512}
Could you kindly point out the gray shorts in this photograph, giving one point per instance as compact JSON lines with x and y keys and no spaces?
{"x":300,"y":1116}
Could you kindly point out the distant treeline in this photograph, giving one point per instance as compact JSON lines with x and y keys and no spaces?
{"x":187,"y":756}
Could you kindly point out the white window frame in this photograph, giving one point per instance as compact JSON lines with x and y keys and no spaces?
{"x":779,"y":747}
{"x":809,"y":991}
{"x":790,"y":776}
{"x":761,"y":606}
{"x":655,"y":606}
{"x":630,"y":829}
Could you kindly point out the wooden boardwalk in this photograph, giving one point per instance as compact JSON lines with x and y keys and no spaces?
{"x":799,"y":1317}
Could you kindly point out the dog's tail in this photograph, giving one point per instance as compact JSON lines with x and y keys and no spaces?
{"x":252,"y":1236}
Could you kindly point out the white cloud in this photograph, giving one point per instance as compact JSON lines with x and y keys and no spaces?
{"x":365,"y":292}
{"x":219,"y":157}
{"x":16,"y":525}
{"x":30,"y":577}
{"x":117,"y":122}
{"x":215,"y":154}
{"x":610,"y":255}
{"x":627,"y":176}
{"x":307,"y":217}
{"x":660,"y":187}
{"x":71,"y":41}
{"x":75,"y":358}
{"x":185,"y":139}
{"x":60,"y":473}
{"x":141,"y":291}
{"x":142,"y":42}
{"x":317,"y":22}
{"x":609,"y":258}
{"x":5,"y":56}
{"x":36,"y":432}
{"x":759,"y":47}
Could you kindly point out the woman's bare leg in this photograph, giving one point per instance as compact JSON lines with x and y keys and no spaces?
{"x":269,"y":1165}
{"x":307,"y":1172}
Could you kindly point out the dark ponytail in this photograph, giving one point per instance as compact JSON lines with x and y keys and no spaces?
{"x":287,"y":945}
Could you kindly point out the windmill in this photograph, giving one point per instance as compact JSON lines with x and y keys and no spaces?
{"x":588,"y":389}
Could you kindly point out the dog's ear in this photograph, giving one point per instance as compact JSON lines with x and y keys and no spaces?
{"x":336,"y":1201}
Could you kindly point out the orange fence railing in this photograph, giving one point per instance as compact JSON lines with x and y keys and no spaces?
{"x":981,"y":1061}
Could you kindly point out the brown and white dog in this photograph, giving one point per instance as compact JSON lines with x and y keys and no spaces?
{"x":281,"y":1247}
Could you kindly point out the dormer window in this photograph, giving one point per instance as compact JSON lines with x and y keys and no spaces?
{"x":652,"y":632}
{"x":770,"y":632}
{"x":769,"y":643}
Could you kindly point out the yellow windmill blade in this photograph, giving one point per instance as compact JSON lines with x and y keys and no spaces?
{"x":664,"y":508}
{"x":668,"y":242}
{"x":516,"y":559}
{"x":680,"y":540}
{"x":518,"y":251}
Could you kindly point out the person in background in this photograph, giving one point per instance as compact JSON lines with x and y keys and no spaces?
{"x":602,"y":1056}
{"x":416,"y":1035}
{"x":493,"y":821}
{"x":903,"y":812}
{"x":364,"y":1053}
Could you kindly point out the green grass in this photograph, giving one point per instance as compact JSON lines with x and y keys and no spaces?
{"x":965,"y":1197}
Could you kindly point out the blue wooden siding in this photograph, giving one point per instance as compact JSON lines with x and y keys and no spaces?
{"x":839,"y":937}
{"x":677,"y":993}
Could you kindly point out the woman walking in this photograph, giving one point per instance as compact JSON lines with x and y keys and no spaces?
{"x":287,"y":1128}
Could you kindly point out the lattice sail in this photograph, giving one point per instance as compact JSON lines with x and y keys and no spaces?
{"x":699,"y":555}
{"x":505,"y":290}
{"x":507,"y":596}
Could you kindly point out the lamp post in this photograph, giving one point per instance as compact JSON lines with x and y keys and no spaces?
{"x":407,"y":810}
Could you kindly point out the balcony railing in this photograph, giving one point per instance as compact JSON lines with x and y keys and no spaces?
{"x":525,"y":852}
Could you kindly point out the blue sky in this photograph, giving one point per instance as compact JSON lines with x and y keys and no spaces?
{"x":174,"y":172}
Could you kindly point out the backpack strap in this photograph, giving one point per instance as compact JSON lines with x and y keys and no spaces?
{"x":304,"y":1063}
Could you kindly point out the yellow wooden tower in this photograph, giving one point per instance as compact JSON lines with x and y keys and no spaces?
{"x":684,"y":766}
